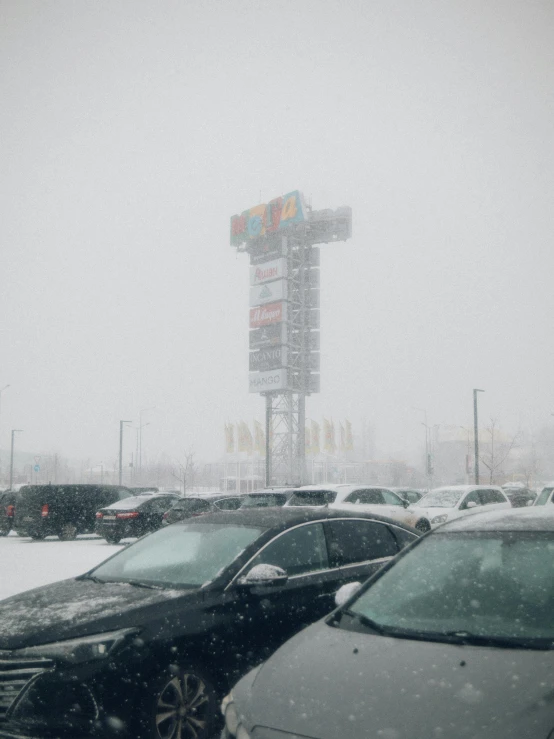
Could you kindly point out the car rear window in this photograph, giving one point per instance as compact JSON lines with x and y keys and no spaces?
{"x":264,"y":500}
{"x":313,"y":498}
{"x":195,"y":505}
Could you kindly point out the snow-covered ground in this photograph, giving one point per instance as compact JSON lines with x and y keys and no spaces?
{"x":26,"y":564}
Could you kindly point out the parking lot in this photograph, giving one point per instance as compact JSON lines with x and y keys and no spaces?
{"x":27,"y":564}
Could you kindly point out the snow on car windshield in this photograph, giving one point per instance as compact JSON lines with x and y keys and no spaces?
{"x":486,"y":584}
{"x":185,"y":555}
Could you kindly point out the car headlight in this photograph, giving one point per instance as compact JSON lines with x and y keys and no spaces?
{"x":440,"y":519}
{"x":232,"y":721}
{"x":84,"y":649}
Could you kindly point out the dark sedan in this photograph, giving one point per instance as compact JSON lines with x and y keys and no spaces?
{"x":134,"y":516}
{"x":148,"y":642}
{"x":453,"y":639}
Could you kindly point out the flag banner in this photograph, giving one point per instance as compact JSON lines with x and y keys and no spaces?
{"x":259,"y":438}
{"x":307,"y":441}
{"x":329,"y":433}
{"x":229,"y":438}
{"x":315,"y":438}
{"x":245,"y":438}
{"x":342,"y":438}
{"x":349,"y":437}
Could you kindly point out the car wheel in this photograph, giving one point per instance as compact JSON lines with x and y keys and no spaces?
{"x":183,"y":705}
{"x":113,"y":539}
{"x":37,"y":536}
{"x":68,"y":532}
{"x":423,"y":526}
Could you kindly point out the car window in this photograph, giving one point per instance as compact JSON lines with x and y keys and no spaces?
{"x":264,"y":500}
{"x":366,"y":497}
{"x":228,"y":504}
{"x":403,"y":537}
{"x":359,"y":541}
{"x":161,"y":505}
{"x":391,"y":498}
{"x":473,"y":497}
{"x":312,"y":498}
{"x":194,"y":505}
{"x":544,"y":496}
{"x":491,"y":496}
{"x":298,"y":551}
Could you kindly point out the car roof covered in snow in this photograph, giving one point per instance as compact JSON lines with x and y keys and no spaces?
{"x":509,"y":519}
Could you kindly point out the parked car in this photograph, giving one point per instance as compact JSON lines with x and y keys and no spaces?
{"x":197,"y":505}
{"x":519,"y":495}
{"x":444,"y":504}
{"x":374,"y":499}
{"x":139,"y":491}
{"x":452,"y":639}
{"x":62,"y":510}
{"x":318,"y":495}
{"x":147,"y":643}
{"x":270,"y":497}
{"x":7,"y":511}
{"x":546,"y":496}
{"x":134,"y":516}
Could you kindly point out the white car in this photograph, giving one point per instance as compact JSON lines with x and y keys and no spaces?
{"x":317,"y":496}
{"x":375,"y":499}
{"x":444,"y":504}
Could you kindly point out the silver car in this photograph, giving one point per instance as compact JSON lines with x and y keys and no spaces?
{"x":452,"y":639}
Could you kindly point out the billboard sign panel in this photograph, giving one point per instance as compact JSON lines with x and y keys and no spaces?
{"x":267,"y":382}
{"x":269,"y":292}
{"x":276,"y":269}
{"x":272,"y":335}
{"x":268,"y":218}
{"x":264,"y":315}
{"x":268,"y":359}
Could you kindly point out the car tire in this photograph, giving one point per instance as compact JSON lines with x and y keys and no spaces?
{"x":182,"y":703}
{"x":113,"y":539}
{"x":37,"y":536}
{"x":423,"y":526}
{"x":68,"y":532}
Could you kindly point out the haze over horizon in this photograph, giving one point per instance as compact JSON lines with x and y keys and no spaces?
{"x":131,"y":132}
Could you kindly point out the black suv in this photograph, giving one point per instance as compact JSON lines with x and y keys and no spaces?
{"x":148,"y":642}
{"x":62,"y":510}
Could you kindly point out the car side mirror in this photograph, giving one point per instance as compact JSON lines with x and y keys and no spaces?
{"x":345,"y":592}
{"x":405,"y":503}
{"x":530,"y":502}
{"x":471,"y":504}
{"x":263,"y":575}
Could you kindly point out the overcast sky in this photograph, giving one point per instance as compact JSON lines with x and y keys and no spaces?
{"x":131,"y":131}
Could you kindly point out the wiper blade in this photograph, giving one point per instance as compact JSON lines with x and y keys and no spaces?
{"x":365,"y":621}
{"x":89,"y":576}
{"x":468,"y":637}
{"x":140,"y":584}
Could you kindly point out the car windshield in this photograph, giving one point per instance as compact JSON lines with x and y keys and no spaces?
{"x":485,"y":585}
{"x":439,"y":499}
{"x":264,"y":500}
{"x":544,"y":496}
{"x":187,"y":555}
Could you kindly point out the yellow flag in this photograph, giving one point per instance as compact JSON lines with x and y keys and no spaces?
{"x":259,"y":438}
{"x":315,"y":438}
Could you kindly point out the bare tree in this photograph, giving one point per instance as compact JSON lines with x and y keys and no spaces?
{"x":185,"y":470}
{"x":499,"y":450}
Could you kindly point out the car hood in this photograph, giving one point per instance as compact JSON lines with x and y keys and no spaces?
{"x":74,"y":607}
{"x":327,"y":682}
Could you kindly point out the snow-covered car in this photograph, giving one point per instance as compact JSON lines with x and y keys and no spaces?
{"x":451,"y":639}
{"x":375,"y":499}
{"x":323,"y":494}
{"x":444,"y":504}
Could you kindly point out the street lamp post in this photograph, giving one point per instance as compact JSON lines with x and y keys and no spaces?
{"x":476,"y":433}
{"x":14,"y":432}
{"x":143,"y":410}
{"x":1,"y":391}
{"x":427,"y":460}
{"x":121,"y":450}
